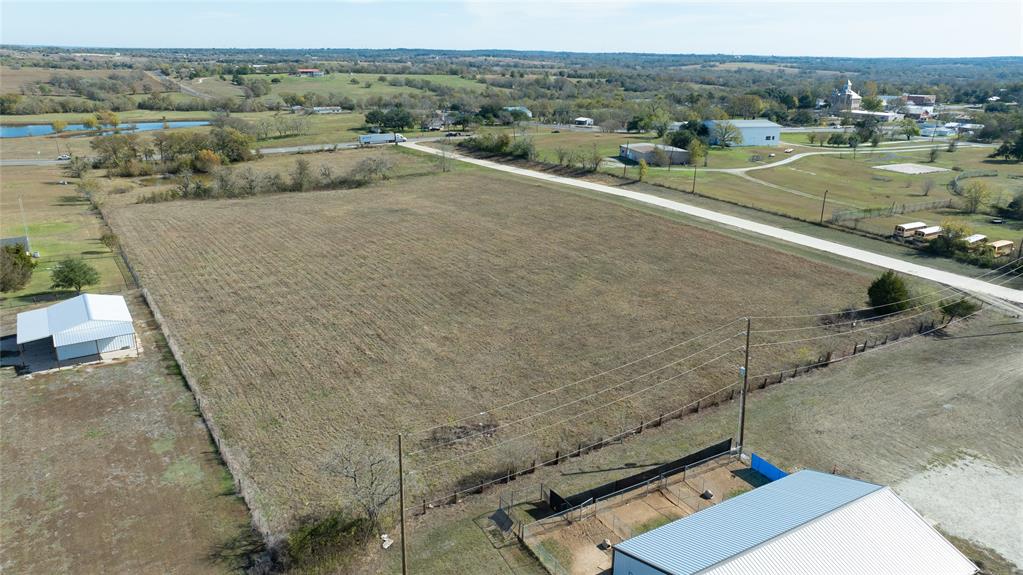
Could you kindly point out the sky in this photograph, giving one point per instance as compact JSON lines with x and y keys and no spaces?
{"x":894,"y":28}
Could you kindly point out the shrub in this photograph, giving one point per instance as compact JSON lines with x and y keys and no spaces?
{"x":888,"y":293}
{"x":73,"y":273}
{"x":522,"y":148}
{"x":205,"y":161}
{"x":959,"y":308}
{"x":15,"y":268}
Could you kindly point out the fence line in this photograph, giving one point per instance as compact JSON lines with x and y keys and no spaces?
{"x":864,"y":213}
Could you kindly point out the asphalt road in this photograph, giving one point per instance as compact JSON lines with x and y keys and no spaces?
{"x":947,"y":278}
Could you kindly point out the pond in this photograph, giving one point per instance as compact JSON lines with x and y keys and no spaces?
{"x":44,"y":129}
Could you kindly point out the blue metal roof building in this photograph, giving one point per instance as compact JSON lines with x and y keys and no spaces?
{"x":807,"y":522}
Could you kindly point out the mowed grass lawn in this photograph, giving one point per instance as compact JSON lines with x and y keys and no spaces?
{"x":582,"y":144}
{"x":61,"y":223}
{"x":851,"y":183}
{"x":315,"y":320}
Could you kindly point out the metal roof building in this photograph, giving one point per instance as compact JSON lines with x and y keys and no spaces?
{"x":806,"y":523}
{"x":759,"y":132}
{"x":85,"y":325}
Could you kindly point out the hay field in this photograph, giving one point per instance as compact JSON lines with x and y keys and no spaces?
{"x":313,"y":320}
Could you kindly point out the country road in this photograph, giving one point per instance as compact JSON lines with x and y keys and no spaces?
{"x":947,"y":278}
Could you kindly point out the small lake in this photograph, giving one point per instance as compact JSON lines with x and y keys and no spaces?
{"x":44,"y":129}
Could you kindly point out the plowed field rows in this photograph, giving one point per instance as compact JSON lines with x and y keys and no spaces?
{"x":314,"y":320}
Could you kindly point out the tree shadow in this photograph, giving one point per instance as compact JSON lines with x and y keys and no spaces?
{"x":239,"y":552}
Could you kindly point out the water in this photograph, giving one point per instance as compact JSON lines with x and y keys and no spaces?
{"x":44,"y":129}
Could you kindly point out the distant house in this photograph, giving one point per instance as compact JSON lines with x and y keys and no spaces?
{"x":17,"y":240}
{"x":648,"y":153}
{"x":845,"y":99}
{"x":310,"y":72}
{"x":881,"y":116}
{"x":521,"y":109}
{"x":328,"y":110}
{"x":921,"y":99}
{"x":806,"y":523}
{"x":754,"y":132}
{"x":582,"y":121}
{"x":86,"y":325}
{"x":676,"y":126}
{"x":914,"y":111}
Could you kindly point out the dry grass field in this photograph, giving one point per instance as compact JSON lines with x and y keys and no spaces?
{"x":314,"y":320}
{"x":109,"y":469}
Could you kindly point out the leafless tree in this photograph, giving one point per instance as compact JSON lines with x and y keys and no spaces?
{"x":372,"y":474}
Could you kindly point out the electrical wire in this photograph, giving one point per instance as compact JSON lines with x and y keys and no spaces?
{"x":574,"y":401}
{"x":585,"y":379}
{"x":576,"y":416}
{"x":1014,"y":262}
{"x":595,"y":443}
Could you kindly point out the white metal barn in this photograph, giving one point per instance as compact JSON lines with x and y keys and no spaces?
{"x":807,"y":523}
{"x":82,"y":326}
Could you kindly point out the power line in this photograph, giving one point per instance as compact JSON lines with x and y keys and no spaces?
{"x":585,"y":379}
{"x":577,"y":400}
{"x":1012,"y":263}
{"x":576,"y":416}
{"x":595,"y":443}
{"x":870,"y":327}
{"x":888,"y":346}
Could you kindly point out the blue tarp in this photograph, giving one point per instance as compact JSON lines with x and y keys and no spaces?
{"x":764,"y":467}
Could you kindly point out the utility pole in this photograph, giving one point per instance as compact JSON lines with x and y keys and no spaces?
{"x":24,"y":224}
{"x":401,"y":503}
{"x":823,"y":203}
{"x":694,"y":175}
{"x":624,"y":165}
{"x":744,"y":374}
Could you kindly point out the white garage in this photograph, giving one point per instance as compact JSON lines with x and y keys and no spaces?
{"x":86,"y":325}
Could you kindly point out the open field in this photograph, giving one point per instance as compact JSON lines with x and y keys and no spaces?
{"x":61,"y":223}
{"x":902,"y":416}
{"x":109,"y":469}
{"x":582,"y":143}
{"x":851,"y":183}
{"x":339,"y":84}
{"x":471,"y":288}
{"x":127,"y":191}
{"x":14,"y":79}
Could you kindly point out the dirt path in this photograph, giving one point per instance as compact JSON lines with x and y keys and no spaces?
{"x":955,"y":280}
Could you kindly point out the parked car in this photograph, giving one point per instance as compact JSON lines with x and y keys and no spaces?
{"x":64,"y":157}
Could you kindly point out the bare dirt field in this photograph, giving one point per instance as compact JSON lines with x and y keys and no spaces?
{"x":312,"y":320}
{"x":109,"y":469}
{"x":572,"y":544}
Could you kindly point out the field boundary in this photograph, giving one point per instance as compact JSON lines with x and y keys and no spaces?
{"x":242,"y":484}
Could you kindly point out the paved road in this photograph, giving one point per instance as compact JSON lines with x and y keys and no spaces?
{"x":950,"y":279}
{"x":329,"y":147}
{"x":161,"y":77}
{"x":31,"y":162}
